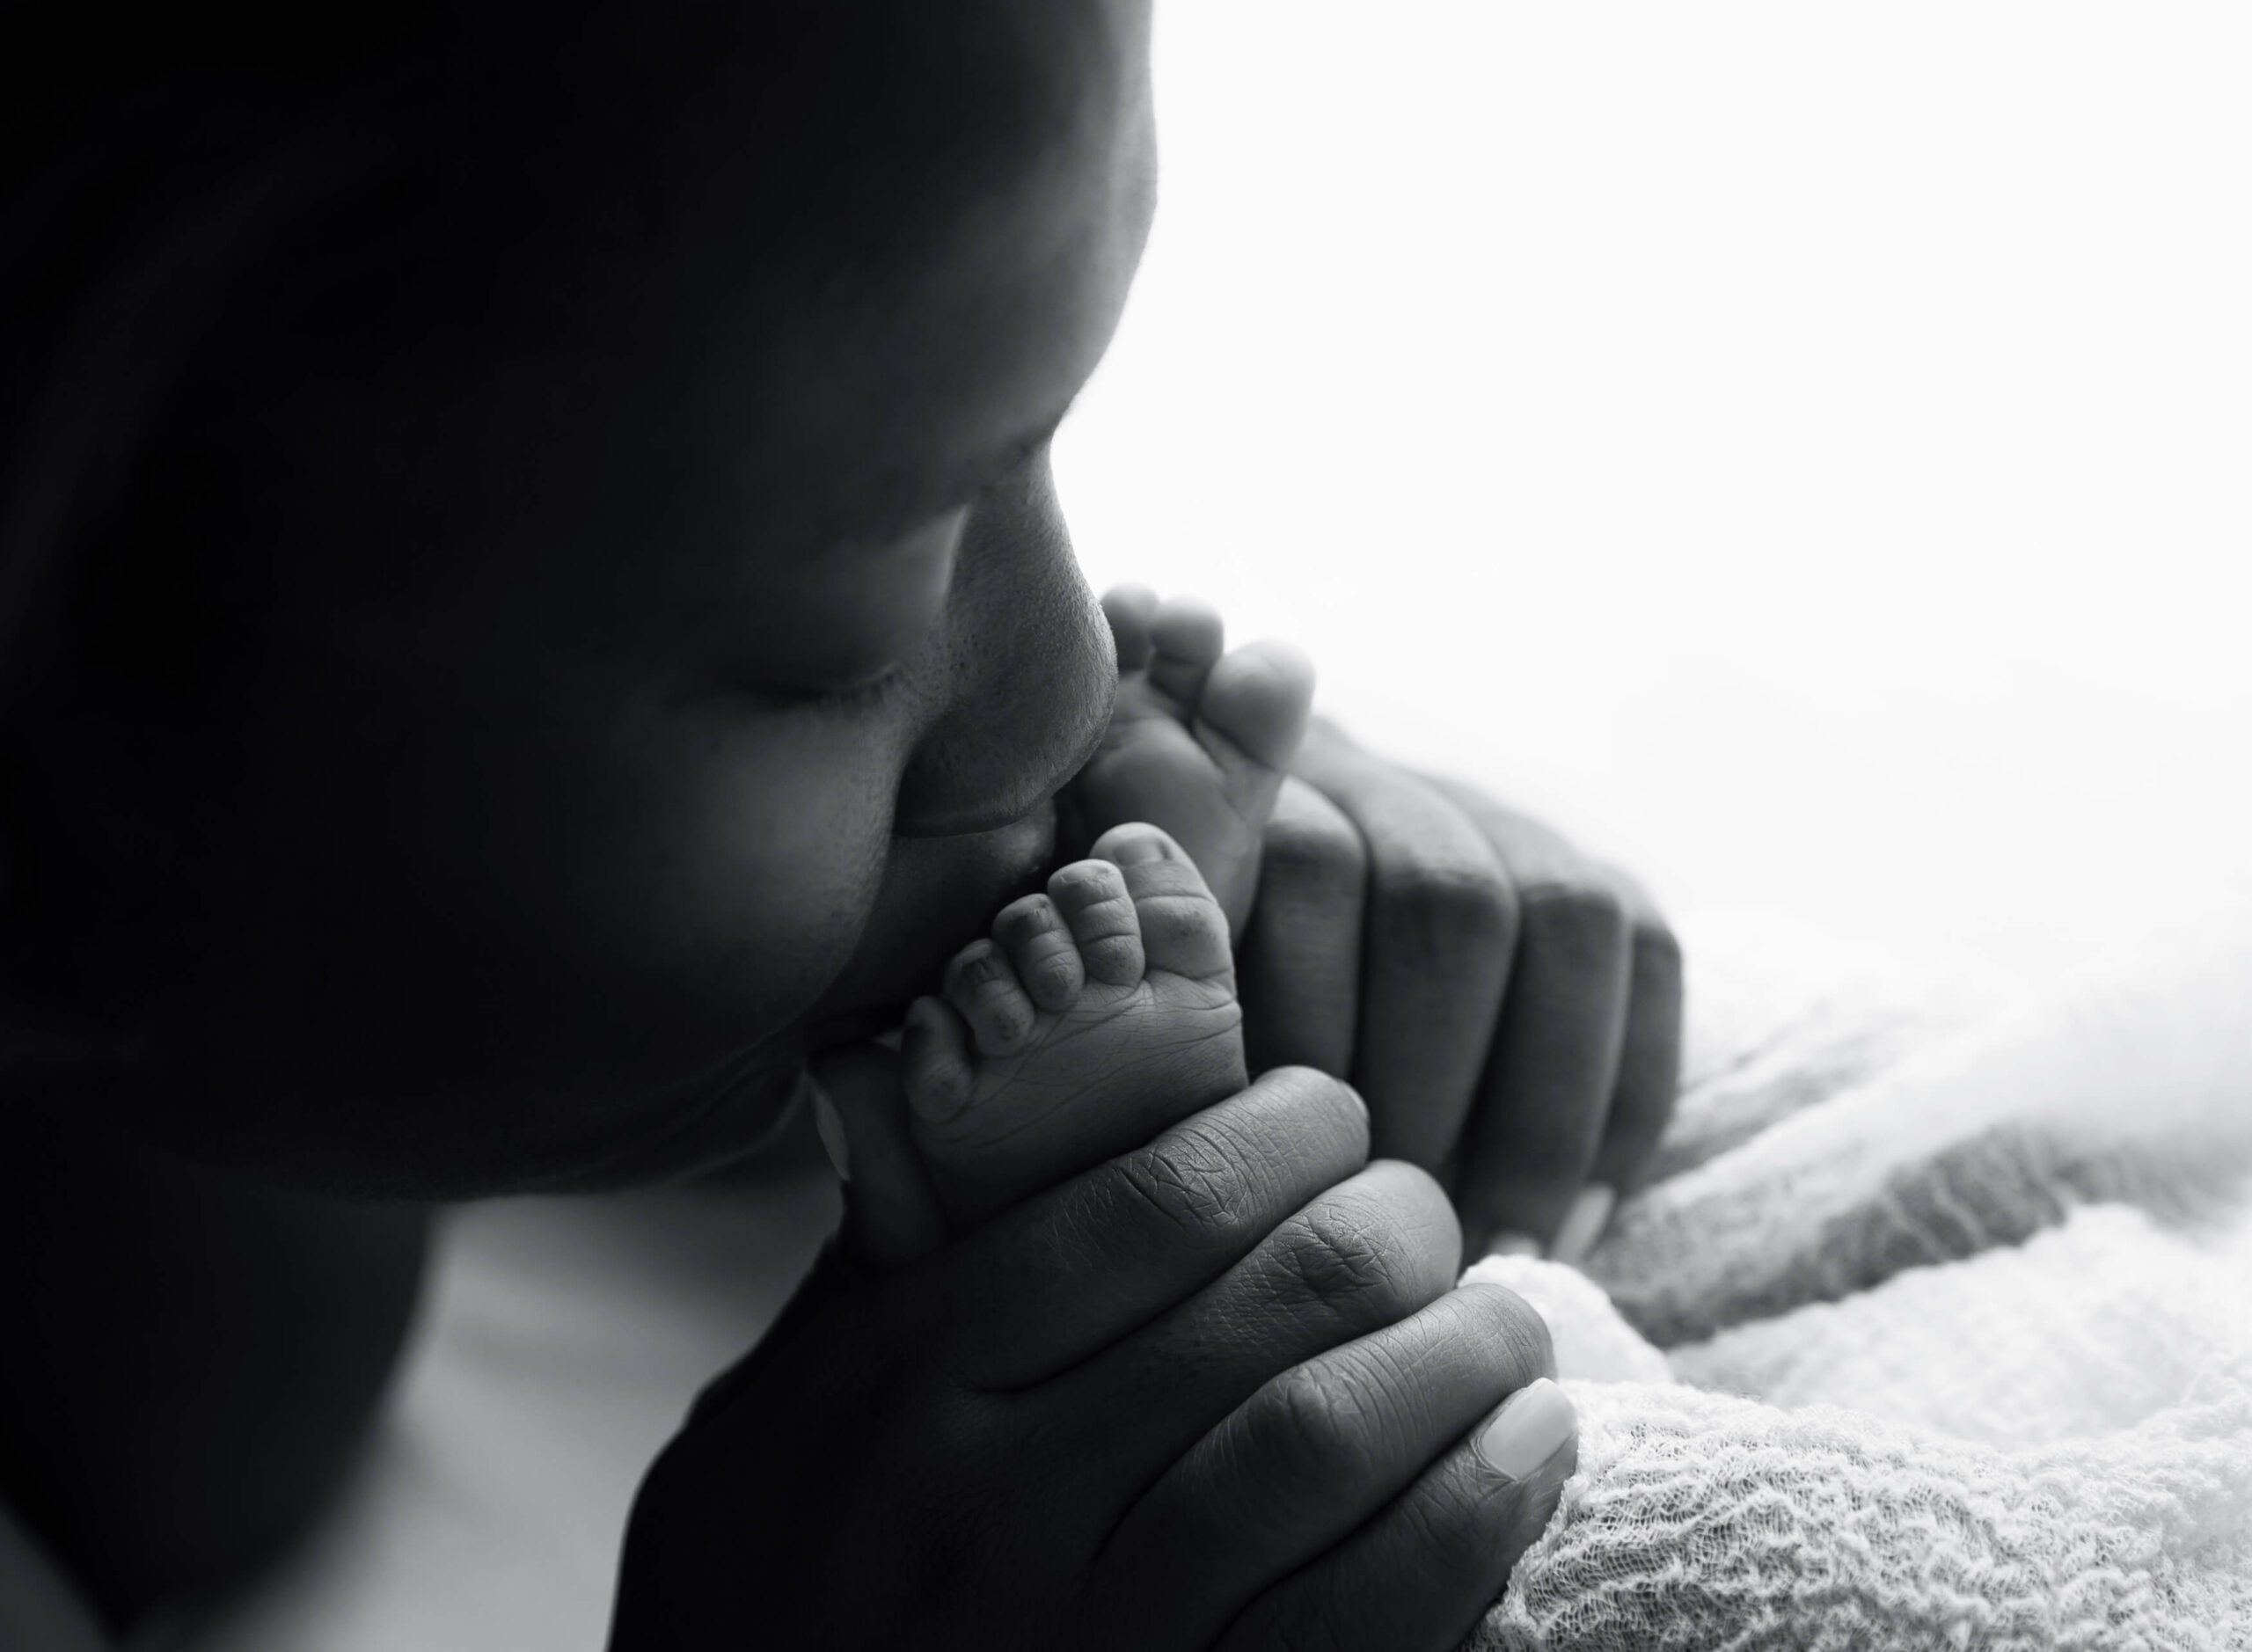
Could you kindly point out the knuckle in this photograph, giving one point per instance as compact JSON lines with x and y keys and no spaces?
{"x":1581,"y":907}
{"x":1453,"y":905}
{"x":1310,"y":1428}
{"x":1336,"y":1252}
{"x":1193,"y":1185}
{"x":1314,"y":847}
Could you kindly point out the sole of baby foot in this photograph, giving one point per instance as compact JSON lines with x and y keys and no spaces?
{"x":1096,"y":1013}
{"x":1198,"y":737}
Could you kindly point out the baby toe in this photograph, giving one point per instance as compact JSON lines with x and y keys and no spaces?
{"x":985,"y":992}
{"x":1039,"y":947}
{"x":1186,"y":638}
{"x":1090,"y":897}
{"x":1183,"y":930}
{"x":1257,"y":700}
{"x":934,"y":1059}
{"x":1129,"y":608}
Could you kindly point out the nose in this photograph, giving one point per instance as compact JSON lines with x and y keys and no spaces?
{"x":1030,"y":670}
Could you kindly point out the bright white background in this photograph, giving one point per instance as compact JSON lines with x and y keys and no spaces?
{"x":1803,"y":450}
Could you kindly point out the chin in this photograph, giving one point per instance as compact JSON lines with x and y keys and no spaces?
{"x":735,"y":1117}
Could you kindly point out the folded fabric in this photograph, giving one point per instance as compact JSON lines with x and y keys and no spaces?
{"x":1934,"y":1331}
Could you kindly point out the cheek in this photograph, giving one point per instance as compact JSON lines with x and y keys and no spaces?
{"x":699,"y":871}
{"x":510,"y":942}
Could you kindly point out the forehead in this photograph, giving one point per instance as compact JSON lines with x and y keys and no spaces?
{"x":948,"y":248}
{"x":854,"y":248}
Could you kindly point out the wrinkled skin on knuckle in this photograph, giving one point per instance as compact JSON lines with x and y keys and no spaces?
{"x":1343,"y":1253}
{"x":1311,"y":1430}
{"x":1196,"y":1182}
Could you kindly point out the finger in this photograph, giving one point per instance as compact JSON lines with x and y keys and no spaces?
{"x":1437,"y":935}
{"x":1545,"y":1097}
{"x":1650,"y":1054}
{"x":1069,"y":1274}
{"x":1418,"y":1576}
{"x":1297,"y":972}
{"x":1318,"y":1451}
{"x":1375,"y":1248}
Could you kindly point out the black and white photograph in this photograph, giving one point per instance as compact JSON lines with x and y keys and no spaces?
{"x":1126,"y":826}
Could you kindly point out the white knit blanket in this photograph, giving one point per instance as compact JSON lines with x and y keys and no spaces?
{"x":1934,"y":1330}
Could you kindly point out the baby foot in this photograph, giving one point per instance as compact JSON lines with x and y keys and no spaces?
{"x":1198,"y":739}
{"x":1099,"y":1013}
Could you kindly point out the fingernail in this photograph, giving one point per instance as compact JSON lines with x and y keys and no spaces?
{"x":830,"y":1128}
{"x":1141,"y":847}
{"x":1532,"y":1426}
{"x":1585,"y":1222}
{"x":1513,"y":1245}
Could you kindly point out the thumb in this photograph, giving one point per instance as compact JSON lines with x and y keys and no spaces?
{"x":891,"y":1214}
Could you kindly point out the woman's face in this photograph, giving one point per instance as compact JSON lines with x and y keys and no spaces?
{"x":601,"y":625}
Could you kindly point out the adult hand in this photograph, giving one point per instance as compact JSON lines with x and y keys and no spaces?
{"x":1216,"y":1393}
{"x":1510,"y":1009}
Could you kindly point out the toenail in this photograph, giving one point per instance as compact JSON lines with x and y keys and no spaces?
{"x":1143,"y":848}
{"x":979,"y":967}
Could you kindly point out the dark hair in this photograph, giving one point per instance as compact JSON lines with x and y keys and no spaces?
{"x":147,"y":152}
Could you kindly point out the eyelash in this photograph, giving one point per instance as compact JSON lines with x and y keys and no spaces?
{"x":860,"y":694}
{"x":869,"y":693}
